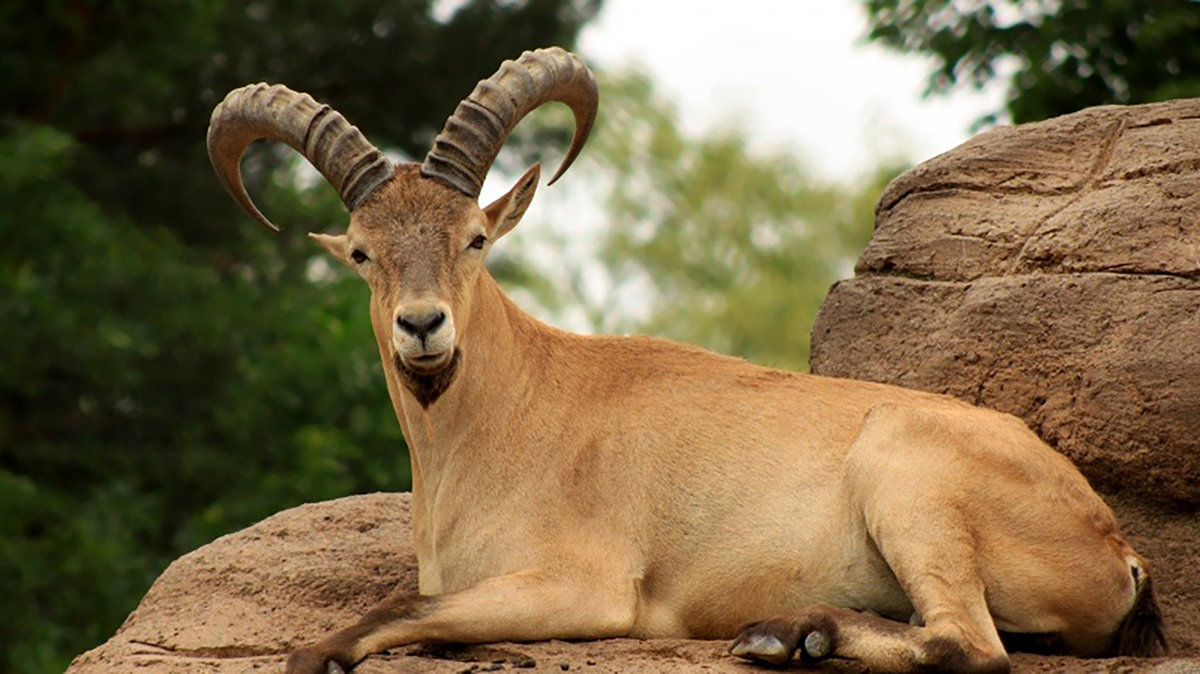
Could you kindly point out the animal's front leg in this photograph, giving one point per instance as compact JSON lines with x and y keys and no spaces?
{"x":527,"y":606}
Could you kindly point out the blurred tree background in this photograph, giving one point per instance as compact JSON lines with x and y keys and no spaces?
{"x":735,"y":249}
{"x":171,"y":371}
{"x":703,"y":239}
{"x":1058,"y":56}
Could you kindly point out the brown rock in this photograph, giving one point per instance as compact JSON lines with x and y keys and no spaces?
{"x":1050,"y":270}
{"x":243,"y":600}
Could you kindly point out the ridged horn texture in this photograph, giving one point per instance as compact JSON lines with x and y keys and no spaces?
{"x":338,"y":150}
{"x":464,"y":151}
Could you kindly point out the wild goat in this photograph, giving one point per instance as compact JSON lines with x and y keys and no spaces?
{"x":580,"y":487}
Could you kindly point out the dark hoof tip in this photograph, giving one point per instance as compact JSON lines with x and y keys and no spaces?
{"x":817,"y":645}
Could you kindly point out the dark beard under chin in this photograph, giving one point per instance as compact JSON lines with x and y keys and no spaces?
{"x":428,"y":387}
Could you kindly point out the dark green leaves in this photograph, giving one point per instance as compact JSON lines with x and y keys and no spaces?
{"x":1057,"y":57}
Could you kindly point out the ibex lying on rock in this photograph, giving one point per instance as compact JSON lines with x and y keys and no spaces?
{"x":586,"y":487}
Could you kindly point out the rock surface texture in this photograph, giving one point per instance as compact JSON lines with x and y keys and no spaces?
{"x":1049,"y":270}
{"x":1052,"y":271}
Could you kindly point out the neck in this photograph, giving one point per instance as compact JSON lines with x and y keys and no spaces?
{"x":491,"y":377}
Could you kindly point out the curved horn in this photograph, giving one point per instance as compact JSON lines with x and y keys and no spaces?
{"x":467,"y":146}
{"x":351,"y":164}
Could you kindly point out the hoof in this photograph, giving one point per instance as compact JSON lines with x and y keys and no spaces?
{"x":762,"y":647}
{"x":813,"y":634}
{"x":817,"y":645}
{"x":332,"y":667}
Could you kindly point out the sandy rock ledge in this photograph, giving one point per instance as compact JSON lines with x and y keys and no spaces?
{"x":241,"y":603}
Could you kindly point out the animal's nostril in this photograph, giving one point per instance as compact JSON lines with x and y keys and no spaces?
{"x":421,"y":325}
{"x":436,"y":322}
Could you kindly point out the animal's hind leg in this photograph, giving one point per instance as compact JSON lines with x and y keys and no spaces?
{"x":958,"y":634}
{"x":822,"y":631}
{"x":904,"y":497}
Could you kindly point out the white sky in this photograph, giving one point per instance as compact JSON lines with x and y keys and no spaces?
{"x":796,"y":71}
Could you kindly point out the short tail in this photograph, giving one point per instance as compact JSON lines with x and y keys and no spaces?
{"x":1141,"y":632}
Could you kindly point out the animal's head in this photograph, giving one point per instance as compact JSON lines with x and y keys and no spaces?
{"x":417,"y":234}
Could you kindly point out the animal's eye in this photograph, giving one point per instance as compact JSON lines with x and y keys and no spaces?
{"x":478,"y":241}
{"x":358,"y":256}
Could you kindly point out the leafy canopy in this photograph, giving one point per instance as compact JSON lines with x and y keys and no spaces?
{"x":1057,"y":56}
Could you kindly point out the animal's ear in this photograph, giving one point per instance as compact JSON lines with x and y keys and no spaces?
{"x":504,"y":213}
{"x":338,"y":246}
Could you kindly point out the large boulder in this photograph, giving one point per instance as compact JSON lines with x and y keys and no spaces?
{"x":243,"y":601}
{"x":1049,"y":270}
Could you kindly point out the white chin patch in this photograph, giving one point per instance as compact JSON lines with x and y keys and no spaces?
{"x":411,"y":348}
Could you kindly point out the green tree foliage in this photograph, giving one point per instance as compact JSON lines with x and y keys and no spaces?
{"x":171,"y":371}
{"x":1063,"y":55}
{"x":710,"y":242}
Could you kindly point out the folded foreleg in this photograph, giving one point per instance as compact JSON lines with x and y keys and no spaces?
{"x":525,"y":606}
